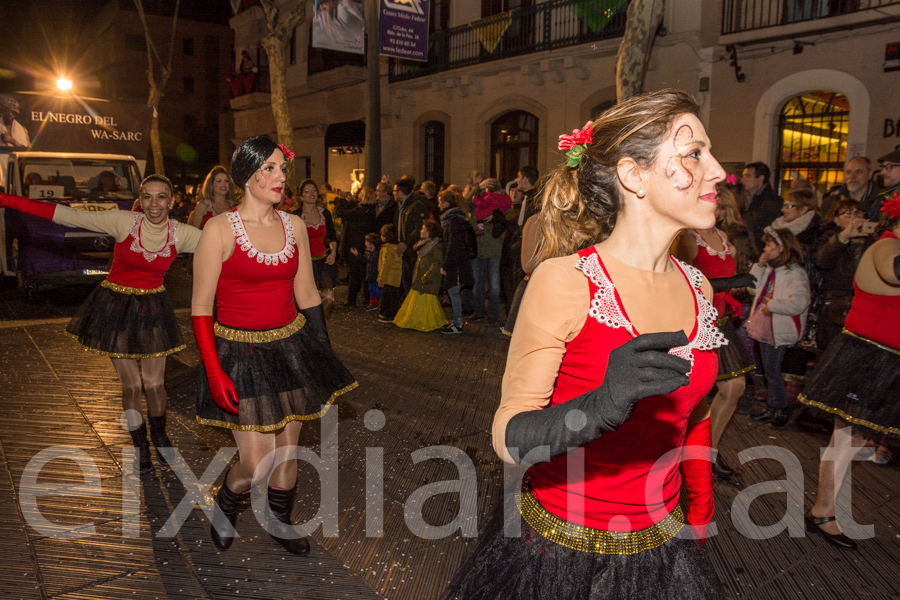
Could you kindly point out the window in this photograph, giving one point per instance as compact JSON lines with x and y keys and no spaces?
{"x":187,"y":46}
{"x":514,"y":138}
{"x":293,"y":50}
{"x":433,"y":137}
{"x":188,"y":85}
{"x":813,"y":132}
{"x":494,"y":7}
{"x":135,"y":42}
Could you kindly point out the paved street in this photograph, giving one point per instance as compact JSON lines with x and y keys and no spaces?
{"x":433,"y":390}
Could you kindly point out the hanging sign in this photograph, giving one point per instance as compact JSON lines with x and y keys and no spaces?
{"x":403,"y":27}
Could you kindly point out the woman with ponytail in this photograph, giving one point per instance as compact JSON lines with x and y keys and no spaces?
{"x":603,"y":392}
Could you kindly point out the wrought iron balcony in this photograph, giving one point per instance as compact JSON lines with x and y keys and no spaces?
{"x":545,"y":26}
{"x":747,"y":15}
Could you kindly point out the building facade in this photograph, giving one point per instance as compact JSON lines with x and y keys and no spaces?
{"x":506,"y":77}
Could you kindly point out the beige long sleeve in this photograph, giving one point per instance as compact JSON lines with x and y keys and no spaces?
{"x":111,"y":222}
{"x":552,"y":313}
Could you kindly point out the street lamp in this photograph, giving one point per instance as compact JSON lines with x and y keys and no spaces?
{"x":64,"y":84}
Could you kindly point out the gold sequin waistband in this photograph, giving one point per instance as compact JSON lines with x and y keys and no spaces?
{"x":321,"y":256}
{"x":721,"y":321}
{"x":124,"y":289}
{"x":873,"y":342}
{"x":587,"y":539}
{"x":248,"y":336}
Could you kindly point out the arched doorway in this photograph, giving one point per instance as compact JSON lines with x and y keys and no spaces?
{"x":514,"y":142}
{"x":433,"y":138}
{"x":812,"y":129}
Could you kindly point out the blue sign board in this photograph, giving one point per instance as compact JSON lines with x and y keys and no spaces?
{"x":403,"y":26}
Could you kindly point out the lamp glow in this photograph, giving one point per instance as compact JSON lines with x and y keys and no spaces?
{"x":64,"y":84}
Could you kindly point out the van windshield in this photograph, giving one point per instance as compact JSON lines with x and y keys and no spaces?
{"x":54,"y":177}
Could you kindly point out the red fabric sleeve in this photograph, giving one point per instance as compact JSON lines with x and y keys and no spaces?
{"x":43,"y":210}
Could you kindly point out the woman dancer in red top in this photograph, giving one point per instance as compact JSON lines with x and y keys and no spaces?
{"x":595,"y":389}
{"x":129,"y":316}
{"x":858,"y":376}
{"x":266,"y":368}
{"x":216,"y":197}
{"x":710,"y":251}
{"x":322,"y":241}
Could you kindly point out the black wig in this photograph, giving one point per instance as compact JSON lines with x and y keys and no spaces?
{"x":250,"y":156}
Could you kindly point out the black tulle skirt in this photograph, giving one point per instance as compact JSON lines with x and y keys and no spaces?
{"x":120,"y":324}
{"x":291,"y":379}
{"x":858,"y":380}
{"x":324,"y":274}
{"x":530,"y":566}
{"x":734,"y":361}
{"x":513,"y":312}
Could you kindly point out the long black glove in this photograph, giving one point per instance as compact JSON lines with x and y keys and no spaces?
{"x":897,"y":266}
{"x":501,"y":225}
{"x":315,"y":318}
{"x":723,"y":284}
{"x":639,"y":368}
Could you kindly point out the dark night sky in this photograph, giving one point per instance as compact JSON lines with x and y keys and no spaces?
{"x":44,"y":35}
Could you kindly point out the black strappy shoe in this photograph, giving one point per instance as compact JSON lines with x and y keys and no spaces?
{"x":813,"y":525}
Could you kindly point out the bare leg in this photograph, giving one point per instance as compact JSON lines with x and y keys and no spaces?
{"x":327,"y":300}
{"x":153,"y":372}
{"x":284,"y":475}
{"x":255,"y":448}
{"x":130,"y":377}
{"x":723,"y":406}
{"x":831,"y":476}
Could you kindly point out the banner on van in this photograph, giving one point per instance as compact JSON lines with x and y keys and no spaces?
{"x":70,"y":124}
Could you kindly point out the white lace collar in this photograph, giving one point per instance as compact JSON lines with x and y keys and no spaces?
{"x":607,"y":310}
{"x":709,"y":249}
{"x":321,"y":219}
{"x":237,"y":227}
{"x":136,"y":245}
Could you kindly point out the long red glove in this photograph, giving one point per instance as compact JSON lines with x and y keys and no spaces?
{"x":220,"y":385}
{"x":43,"y":210}
{"x":698,"y":479}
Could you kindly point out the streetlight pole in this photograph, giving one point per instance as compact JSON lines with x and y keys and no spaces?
{"x":373,"y":122}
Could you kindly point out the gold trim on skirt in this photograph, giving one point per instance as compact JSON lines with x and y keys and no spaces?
{"x":848,"y":418}
{"x":249,"y":336}
{"x":124,"y":289}
{"x":321,"y":256}
{"x":873,"y":342}
{"x":587,"y":539}
{"x":734,"y":374}
{"x":281,"y":423}
{"x":118,"y":355}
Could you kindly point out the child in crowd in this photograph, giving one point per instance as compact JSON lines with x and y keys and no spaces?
{"x":778,"y":316}
{"x":421,"y":309}
{"x":389,"y":270}
{"x":371,"y":258}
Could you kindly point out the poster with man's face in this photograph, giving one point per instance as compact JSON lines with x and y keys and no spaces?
{"x":339,"y":25}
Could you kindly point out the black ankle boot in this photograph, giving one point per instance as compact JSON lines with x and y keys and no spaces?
{"x":764,"y":416}
{"x":227,"y":505}
{"x":780,"y":418}
{"x":159,"y":437}
{"x":279,"y":522}
{"x":142,"y":463}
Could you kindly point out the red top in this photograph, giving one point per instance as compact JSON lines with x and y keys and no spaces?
{"x":621,"y":466}
{"x":256,"y":290}
{"x":316,"y":234}
{"x":875,"y":316}
{"x":209,"y":214}
{"x":134,"y":266}
{"x":714,"y":264}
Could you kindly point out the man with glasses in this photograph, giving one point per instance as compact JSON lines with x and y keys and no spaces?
{"x":890,"y":177}
{"x":858,"y":185}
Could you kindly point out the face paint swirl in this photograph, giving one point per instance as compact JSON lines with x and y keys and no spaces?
{"x":682,"y":176}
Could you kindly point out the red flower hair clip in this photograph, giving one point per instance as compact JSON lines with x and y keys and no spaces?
{"x":891,"y":206}
{"x":576,"y":143}
{"x":732,"y":179}
{"x":288,"y":155}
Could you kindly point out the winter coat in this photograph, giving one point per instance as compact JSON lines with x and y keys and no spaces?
{"x":789,"y":304}
{"x":358,"y":220}
{"x":765,"y":207}
{"x":387,"y":216}
{"x":371,"y":259}
{"x":409,"y":221}
{"x":457,"y":264}
{"x":390,"y":266}
{"x":427,"y":274}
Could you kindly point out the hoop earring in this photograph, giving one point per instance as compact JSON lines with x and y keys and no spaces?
{"x":641,"y":193}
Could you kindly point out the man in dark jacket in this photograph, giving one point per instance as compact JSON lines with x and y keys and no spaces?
{"x":890,"y":176}
{"x":385,"y":206}
{"x":358,"y":219}
{"x":858,"y":185}
{"x":411,"y":212}
{"x":765,"y":203}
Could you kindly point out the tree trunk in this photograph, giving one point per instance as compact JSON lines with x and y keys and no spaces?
{"x":284,"y":129}
{"x":644,"y":17}
{"x":373,"y":122}
{"x":155,"y":144}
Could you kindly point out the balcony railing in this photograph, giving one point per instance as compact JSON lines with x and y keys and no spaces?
{"x":545,"y":26}
{"x":747,"y":15}
{"x":251,"y":82}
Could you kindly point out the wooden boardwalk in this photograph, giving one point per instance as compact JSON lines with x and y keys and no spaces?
{"x":433,"y":390}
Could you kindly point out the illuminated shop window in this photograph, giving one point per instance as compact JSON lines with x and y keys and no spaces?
{"x":813,"y":133}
